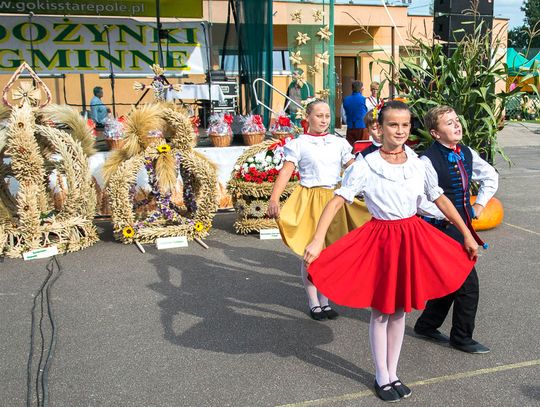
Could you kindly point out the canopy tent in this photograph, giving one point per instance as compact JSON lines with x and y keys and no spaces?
{"x":519,"y":64}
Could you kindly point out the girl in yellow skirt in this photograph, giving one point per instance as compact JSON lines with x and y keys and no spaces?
{"x":320,"y":158}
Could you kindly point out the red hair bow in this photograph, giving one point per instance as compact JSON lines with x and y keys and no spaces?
{"x":284,"y":121}
{"x":228,"y":118}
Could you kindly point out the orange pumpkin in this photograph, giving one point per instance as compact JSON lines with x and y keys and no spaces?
{"x":491,"y":216}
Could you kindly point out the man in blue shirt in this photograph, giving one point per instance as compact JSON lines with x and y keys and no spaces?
{"x":355,"y":110}
{"x":98,"y":111}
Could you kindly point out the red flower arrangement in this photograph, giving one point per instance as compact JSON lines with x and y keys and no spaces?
{"x":264,"y":166}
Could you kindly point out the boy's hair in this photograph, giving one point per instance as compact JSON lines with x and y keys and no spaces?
{"x":370,"y":119}
{"x":431,"y":120}
{"x":393,"y":104}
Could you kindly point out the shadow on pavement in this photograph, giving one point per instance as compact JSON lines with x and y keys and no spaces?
{"x":250,"y":310}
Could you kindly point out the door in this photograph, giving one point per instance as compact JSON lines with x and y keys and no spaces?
{"x":347,"y":71}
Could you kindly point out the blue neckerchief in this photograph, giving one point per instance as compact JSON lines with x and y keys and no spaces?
{"x":453,"y":157}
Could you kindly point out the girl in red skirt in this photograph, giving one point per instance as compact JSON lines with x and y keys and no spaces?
{"x":396,"y":261}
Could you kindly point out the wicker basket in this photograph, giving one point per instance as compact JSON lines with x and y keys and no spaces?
{"x":281,"y":134}
{"x":251,"y":139}
{"x":220,"y":140}
{"x":115,"y":144}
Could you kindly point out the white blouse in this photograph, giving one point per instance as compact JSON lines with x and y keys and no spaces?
{"x":391,"y":191}
{"x":319,"y":159}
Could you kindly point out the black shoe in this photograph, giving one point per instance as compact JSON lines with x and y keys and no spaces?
{"x":317,"y":315}
{"x":401,"y":389}
{"x":433,"y":335}
{"x":386,"y":392}
{"x":330,"y":313}
{"x":473,"y":347}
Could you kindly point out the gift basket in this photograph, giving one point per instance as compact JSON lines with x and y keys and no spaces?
{"x":253,"y":130}
{"x":219,"y":129}
{"x":282,"y":127}
{"x":114,"y":132}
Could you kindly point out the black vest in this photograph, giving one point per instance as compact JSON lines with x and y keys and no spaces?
{"x":449,"y":176}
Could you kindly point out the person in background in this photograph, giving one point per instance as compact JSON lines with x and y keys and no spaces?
{"x":298,"y":94}
{"x":355,"y":110}
{"x":373,"y":129}
{"x":373,"y":100}
{"x":98,"y":110}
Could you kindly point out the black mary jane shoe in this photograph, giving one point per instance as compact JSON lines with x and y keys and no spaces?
{"x":386,"y":392}
{"x":330,"y":312}
{"x":401,"y":389}
{"x":317,"y":315}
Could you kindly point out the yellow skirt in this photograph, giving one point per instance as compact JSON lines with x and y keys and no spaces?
{"x":301,"y":212}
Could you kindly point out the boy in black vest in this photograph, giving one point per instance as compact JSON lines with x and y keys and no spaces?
{"x":455,"y":166}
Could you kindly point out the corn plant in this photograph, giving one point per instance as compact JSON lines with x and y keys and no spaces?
{"x":465,"y":79}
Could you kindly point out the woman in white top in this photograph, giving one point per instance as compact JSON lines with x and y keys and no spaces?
{"x":373,"y":100}
{"x":396,"y":261}
{"x":320,"y":158}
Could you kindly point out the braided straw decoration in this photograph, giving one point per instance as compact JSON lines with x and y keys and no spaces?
{"x":181,"y":137}
{"x":249,"y":191}
{"x":34,"y":151}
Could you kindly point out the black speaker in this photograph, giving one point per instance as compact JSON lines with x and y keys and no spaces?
{"x":454,"y":27}
{"x":484,"y":7}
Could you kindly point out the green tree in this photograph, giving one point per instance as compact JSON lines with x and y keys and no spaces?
{"x":532,"y":21}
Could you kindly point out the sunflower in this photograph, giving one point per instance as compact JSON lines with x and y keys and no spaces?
{"x":199,"y":226}
{"x":257,"y":208}
{"x":163,"y":148}
{"x":128,"y":232}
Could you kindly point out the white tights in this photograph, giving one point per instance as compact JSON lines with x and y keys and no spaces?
{"x":315,"y":299}
{"x":386,"y":333}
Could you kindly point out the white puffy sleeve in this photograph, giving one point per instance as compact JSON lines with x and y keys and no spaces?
{"x":291,"y":151}
{"x":431,"y":180}
{"x":354,"y":181}
{"x":486,"y":175}
{"x":346,"y":152}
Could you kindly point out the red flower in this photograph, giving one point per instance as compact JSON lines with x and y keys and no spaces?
{"x":270,"y":179}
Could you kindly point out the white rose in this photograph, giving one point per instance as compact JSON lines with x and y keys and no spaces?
{"x":252,"y":166}
{"x":276,"y":160}
{"x":250,"y":160}
{"x":236,"y":167}
{"x":268,"y":159}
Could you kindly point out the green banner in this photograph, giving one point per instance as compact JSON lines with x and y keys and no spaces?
{"x":131,"y":8}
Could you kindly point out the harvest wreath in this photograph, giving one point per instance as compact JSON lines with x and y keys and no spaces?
{"x":159,"y":139}
{"x":39,"y":143}
{"x":251,"y":185}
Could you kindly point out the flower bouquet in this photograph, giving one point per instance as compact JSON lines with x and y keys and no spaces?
{"x":252,"y":181}
{"x":219,"y":130}
{"x":282,"y":127}
{"x":114,"y":132}
{"x":253,"y":130}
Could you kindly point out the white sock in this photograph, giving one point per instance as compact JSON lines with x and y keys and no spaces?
{"x":378,"y":342}
{"x":311,"y":290}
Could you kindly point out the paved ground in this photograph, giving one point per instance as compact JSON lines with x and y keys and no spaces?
{"x":228,"y":326}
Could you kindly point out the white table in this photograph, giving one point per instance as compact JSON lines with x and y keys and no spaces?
{"x":196,"y":92}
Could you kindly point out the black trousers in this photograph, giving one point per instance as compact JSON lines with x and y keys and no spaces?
{"x":465,"y":301}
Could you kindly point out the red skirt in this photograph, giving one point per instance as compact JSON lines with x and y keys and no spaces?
{"x":388,"y":265}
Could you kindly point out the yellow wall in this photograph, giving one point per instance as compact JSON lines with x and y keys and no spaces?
{"x":357,"y":28}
